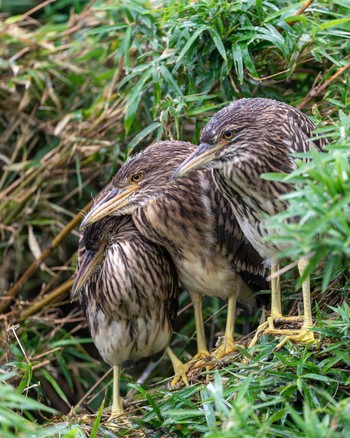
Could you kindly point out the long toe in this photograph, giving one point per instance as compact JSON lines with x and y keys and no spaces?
{"x":302,"y":337}
{"x":259,"y":331}
{"x":118,"y":421}
{"x":198,"y":362}
{"x":180,"y":376}
{"x":228,"y":346}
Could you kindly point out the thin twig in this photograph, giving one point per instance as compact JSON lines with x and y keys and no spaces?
{"x":36,"y":8}
{"x":282,"y":270}
{"x":142,"y":379}
{"x":13,"y":329}
{"x":92,"y":389}
{"x":61,"y":290}
{"x":303,"y":7}
{"x":14,"y":290}
{"x":319,"y":89}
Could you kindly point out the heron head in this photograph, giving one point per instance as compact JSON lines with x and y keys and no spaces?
{"x":236,"y":131}
{"x":143,"y":177}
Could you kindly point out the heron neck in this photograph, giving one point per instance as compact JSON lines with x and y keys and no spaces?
{"x":179,"y":217}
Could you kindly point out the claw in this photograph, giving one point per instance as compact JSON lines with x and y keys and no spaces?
{"x":200,"y":360}
{"x":259,"y":331}
{"x":180,"y":376}
{"x":301,"y":336}
{"x":228,"y":346}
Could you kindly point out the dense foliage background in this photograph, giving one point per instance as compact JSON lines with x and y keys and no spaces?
{"x":82,"y":84}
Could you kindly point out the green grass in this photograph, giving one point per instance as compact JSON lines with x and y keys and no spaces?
{"x":316,"y":223}
{"x":87,"y":84}
{"x":295,"y":392}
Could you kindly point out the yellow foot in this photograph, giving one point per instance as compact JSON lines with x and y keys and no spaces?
{"x":118,"y":420}
{"x":226,"y":347}
{"x":268,"y":327}
{"x":116,"y":423}
{"x":198,"y":361}
{"x":117,"y":412}
{"x":301,"y":336}
{"x":259,"y":331}
{"x":180,"y":375}
{"x":116,"y":416}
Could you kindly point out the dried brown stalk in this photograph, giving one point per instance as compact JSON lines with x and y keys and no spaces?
{"x":320,"y":88}
{"x":15,"y":289}
{"x":303,"y":7}
{"x":60,"y":291}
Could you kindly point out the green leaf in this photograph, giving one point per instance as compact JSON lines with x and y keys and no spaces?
{"x":189,"y":43}
{"x":95,"y":427}
{"x":238,"y":61}
{"x":171,"y":81}
{"x":334,"y":23}
{"x":55,"y":385}
{"x":218,"y":42}
{"x":141,"y":135}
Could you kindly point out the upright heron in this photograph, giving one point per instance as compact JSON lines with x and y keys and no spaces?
{"x":195,"y":223}
{"x":241,"y":142}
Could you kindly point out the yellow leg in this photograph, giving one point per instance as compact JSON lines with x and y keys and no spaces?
{"x":117,"y":406}
{"x":179,"y":367}
{"x":276,"y":301}
{"x":303,"y":264}
{"x":228,"y":346}
{"x":202,"y":356}
{"x":202,"y":349}
{"x":303,"y":335}
{"x":276,"y":305}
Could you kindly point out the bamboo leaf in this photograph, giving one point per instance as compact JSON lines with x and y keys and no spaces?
{"x":218,"y":42}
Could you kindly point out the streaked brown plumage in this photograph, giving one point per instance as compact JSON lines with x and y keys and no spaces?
{"x":128,"y":289}
{"x":242,"y":141}
{"x":194,"y":223}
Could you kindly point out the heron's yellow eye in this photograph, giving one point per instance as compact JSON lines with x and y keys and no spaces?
{"x":135,"y":178}
{"x":228,"y":134}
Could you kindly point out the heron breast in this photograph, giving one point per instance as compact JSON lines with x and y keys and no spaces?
{"x":210,"y":274}
{"x":128,"y":339}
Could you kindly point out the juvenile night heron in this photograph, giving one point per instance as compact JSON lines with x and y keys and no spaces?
{"x":195,"y":223}
{"x":128,"y":289}
{"x":242,"y":141}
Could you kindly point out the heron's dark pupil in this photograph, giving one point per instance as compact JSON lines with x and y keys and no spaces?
{"x":228,"y":134}
{"x":135,"y":177}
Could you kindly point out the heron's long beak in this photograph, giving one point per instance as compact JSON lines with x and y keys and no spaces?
{"x":88,"y":266}
{"x":110,"y":203}
{"x":202,"y":155}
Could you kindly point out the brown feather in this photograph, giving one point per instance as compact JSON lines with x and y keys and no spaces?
{"x":193,"y":221}
{"x":131,"y":298}
{"x":266,"y":134}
